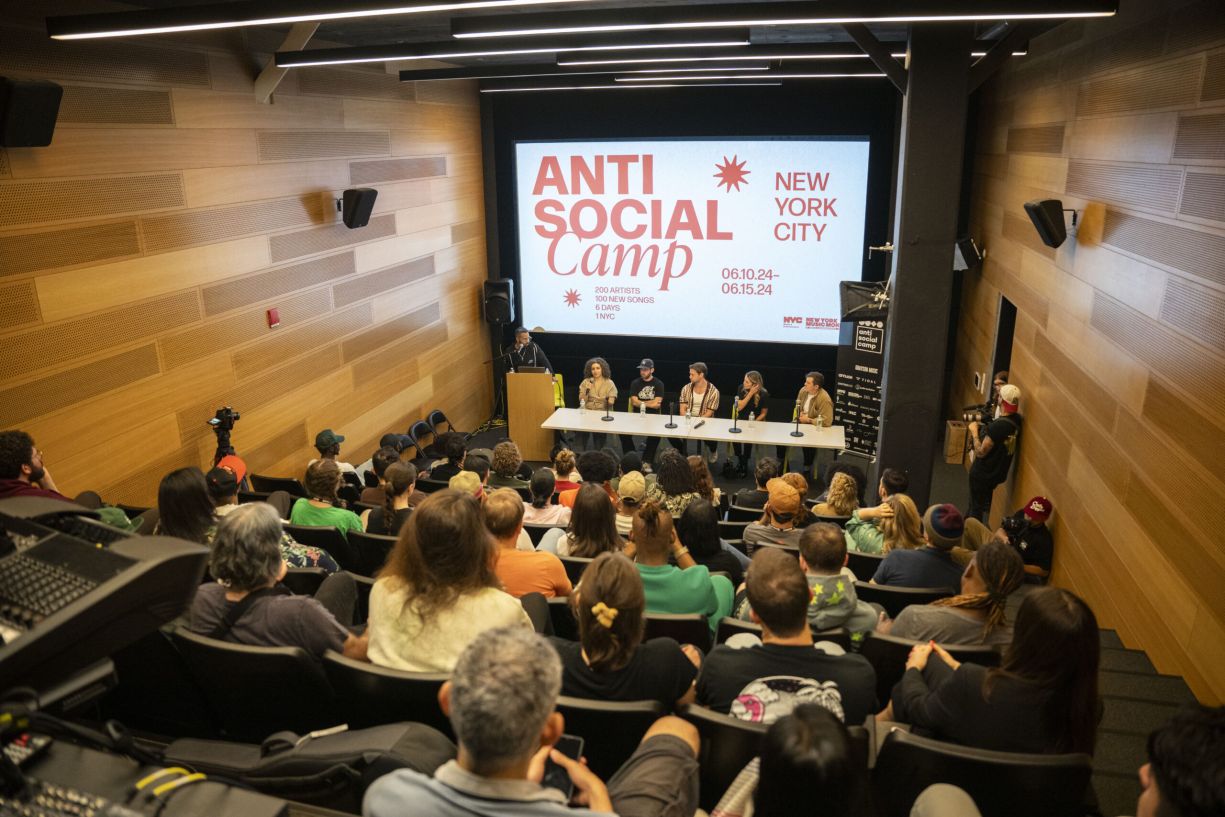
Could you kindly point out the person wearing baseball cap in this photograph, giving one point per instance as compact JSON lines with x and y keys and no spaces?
{"x":1026,"y":531}
{"x":994,"y":451}
{"x":631,"y":491}
{"x":777,"y":524}
{"x":932,"y":565}
{"x":647,"y":396}
{"x":327,"y":443}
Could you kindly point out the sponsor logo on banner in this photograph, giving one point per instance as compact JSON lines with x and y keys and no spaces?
{"x":792,"y":321}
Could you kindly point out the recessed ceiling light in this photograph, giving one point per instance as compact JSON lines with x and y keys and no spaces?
{"x":625,"y":87}
{"x":762,"y":76}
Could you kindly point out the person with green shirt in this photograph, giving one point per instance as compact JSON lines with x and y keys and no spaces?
{"x":324,"y":508}
{"x":685,"y":587}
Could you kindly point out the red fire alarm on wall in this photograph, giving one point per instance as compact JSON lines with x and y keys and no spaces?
{"x":274,"y":318}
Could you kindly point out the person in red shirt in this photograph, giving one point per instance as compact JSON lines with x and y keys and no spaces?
{"x":22,"y":472}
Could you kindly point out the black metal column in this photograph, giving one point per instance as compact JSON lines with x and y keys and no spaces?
{"x":925,"y":225}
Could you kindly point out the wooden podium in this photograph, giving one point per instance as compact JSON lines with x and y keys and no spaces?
{"x":529,"y":402}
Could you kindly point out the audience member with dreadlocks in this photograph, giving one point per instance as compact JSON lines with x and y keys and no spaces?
{"x":977,"y":614}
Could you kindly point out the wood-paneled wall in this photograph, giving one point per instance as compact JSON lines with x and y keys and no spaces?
{"x":141,"y":250}
{"x":1120,"y":336}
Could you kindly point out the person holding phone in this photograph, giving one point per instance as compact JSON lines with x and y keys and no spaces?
{"x":501,"y":700}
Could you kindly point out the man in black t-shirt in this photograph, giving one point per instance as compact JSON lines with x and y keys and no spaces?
{"x":786,"y":660}
{"x":646,"y":392}
{"x":994,"y":451}
{"x":1032,"y":538}
{"x":766,"y":469}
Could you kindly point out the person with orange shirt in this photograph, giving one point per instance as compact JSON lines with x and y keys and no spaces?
{"x":521,"y":571}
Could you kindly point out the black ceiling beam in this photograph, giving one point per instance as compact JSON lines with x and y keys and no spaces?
{"x":824,"y":12}
{"x":450,"y":49}
{"x":1017,"y":36}
{"x":546,"y":69}
{"x":878,"y":53}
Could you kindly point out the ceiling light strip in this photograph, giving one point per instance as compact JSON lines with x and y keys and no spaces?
{"x":626,"y":87}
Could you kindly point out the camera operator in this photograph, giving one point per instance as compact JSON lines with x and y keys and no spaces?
{"x":1026,"y":531}
{"x":994,"y":451}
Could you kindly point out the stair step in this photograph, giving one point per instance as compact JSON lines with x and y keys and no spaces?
{"x":1110,"y":640}
{"x":1118,"y":660}
{"x":1134,"y":717}
{"x":1166,"y":689}
{"x":1119,"y":753}
{"x":1116,"y":794}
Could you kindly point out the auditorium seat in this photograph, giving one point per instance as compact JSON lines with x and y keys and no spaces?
{"x":437,"y":418}
{"x":429,"y":486}
{"x":575,"y":565}
{"x":731,"y":530}
{"x":416,"y":432}
{"x":536,"y":532}
{"x":252,"y":496}
{"x":267,"y":485}
{"x":888,"y":655}
{"x":729,"y":627}
{"x":561,"y":615}
{"x":895,"y":599}
{"x":840,"y":521}
{"x":524,"y":493}
{"x":1002,"y":784}
{"x":369,"y":551}
{"x":131,"y":511}
{"x":611,"y":730}
{"x":726,"y":746}
{"x":304,"y":581}
{"x":739,"y":545}
{"x":326,"y":537}
{"x":256,"y":691}
{"x":360,"y":507}
{"x":685,"y":628}
{"x":157,"y":692}
{"x":736,"y":513}
{"x":369,"y":695}
{"x":863,"y":565}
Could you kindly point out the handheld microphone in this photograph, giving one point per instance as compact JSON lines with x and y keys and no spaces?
{"x":797,"y":432}
{"x":699,"y":424}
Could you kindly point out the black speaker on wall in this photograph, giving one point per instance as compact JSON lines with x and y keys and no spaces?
{"x":1047,"y":216}
{"x":28,"y":110}
{"x":498,"y":303}
{"x":356,"y":205}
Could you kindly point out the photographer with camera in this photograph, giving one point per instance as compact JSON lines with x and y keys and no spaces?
{"x":994,"y":450}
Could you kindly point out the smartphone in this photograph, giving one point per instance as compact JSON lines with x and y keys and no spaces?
{"x":554,"y":775}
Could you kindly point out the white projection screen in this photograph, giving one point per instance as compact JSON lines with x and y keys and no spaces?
{"x":731,"y":239}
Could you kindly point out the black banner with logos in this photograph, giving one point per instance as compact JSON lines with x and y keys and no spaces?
{"x":861,"y":356}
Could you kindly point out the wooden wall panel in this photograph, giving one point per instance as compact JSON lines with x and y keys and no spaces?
{"x":140,"y":252}
{"x":1119,"y":348}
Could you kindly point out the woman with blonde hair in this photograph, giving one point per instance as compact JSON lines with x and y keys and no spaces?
{"x":894,"y":524}
{"x":842,"y":499}
{"x":565,"y":470}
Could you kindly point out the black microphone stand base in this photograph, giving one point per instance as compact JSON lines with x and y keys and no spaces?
{"x":608,"y":418}
{"x":797,"y":432}
{"x":734,"y":430}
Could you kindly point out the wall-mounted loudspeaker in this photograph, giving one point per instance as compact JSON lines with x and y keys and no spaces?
{"x":966,"y":255}
{"x":1047,"y":216}
{"x":498,"y":301}
{"x":28,"y":110}
{"x":355,"y":206}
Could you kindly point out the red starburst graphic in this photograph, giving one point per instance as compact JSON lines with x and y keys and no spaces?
{"x":732,"y":173}
{"x":572,"y":298}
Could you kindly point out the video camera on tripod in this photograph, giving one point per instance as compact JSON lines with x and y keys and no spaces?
{"x":978,"y":412}
{"x":222,"y":424}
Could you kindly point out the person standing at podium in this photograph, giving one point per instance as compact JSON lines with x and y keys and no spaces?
{"x":526,"y":352}
{"x":646,"y":396}
{"x":597,"y":392}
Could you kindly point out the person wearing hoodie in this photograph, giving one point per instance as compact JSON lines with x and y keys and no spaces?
{"x":834,"y":603}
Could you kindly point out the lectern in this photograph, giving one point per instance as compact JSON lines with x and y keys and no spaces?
{"x":529,"y":398}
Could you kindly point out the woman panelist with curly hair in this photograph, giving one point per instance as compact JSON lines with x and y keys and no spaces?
{"x":597,"y":392}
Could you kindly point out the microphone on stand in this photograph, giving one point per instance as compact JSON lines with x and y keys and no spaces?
{"x":735,"y":418}
{"x":671,"y":421}
{"x":797,"y":432}
{"x":607,"y":408}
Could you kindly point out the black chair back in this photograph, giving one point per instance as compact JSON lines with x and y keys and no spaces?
{"x":369,"y":551}
{"x":131,"y":511}
{"x":436,"y":417}
{"x":536,"y":532}
{"x":739,"y":545}
{"x":1002,"y":784}
{"x":361,"y":507}
{"x":267,"y":485}
{"x":840,"y":521}
{"x":727,"y":745}
{"x":575,"y":565}
{"x":896,"y":599}
{"x":157,"y":692}
{"x":888,"y":655}
{"x":562,"y":617}
{"x":418,"y":430}
{"x":524,"y":493}
{"x":729,"y":627}
{"x":327,"y":538}
{"x":256,"y":691}
{"x":304,"y":581}
{"x":351,"y":478}
{"x":252,"y":496}
{"x":686,"y":628}
{"x":735,"y":513}
{"x":364,"y":585}
{"x":863,"y":565}
{"x":429,"y":486}
{"x":731,"y":530}
{"x":611,"y":730}
{"x":370,"y":695}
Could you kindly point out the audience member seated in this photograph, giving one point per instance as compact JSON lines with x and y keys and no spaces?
{"x":521,"y":571}
{"x":842,"y":498}
{"x":398,"y":482}
{"x":673,"y":489}
{"x":684,"y":587}
{"x":500,"y":701}
{"x":777,"y":524}
{"x":703,"y":482}
{"x":541,"y":511}
{"x":1029,"y":535}
{"x":438,"y":590}
{"x":892,"y":481}
{"x":479,"y":465}
{"x":598,"y":468}
{"x":324,"y":508}
{"x":698,"y":530}
{"x":506,"y":463}
{"x":1185,"y":773}
{"x":565,"y":470}
{"x":592,"y":529}
{"x":892,"y":525}
{"x":842,"y":467}
{"x":246,"y":604}
{"x":631,"y":490}
{"x":630,"y":461}
{"x":975,"y":616}
{"x":1042,"y":698}
{"x":765,"y":681}
{"x":468,"y":482}
{"x":931,"y":565}
{"x":455,"y":450}
{"x":327,"y":443}
{"x":382,"y":458}
{"x":185,"y":509}
{"x":803,"y":517}
{"x":22,"y":472}
{"x":765,"y":470}
{"x":611,"y":662}
{"x":806,"y":757}
{"x":834,"y":603}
